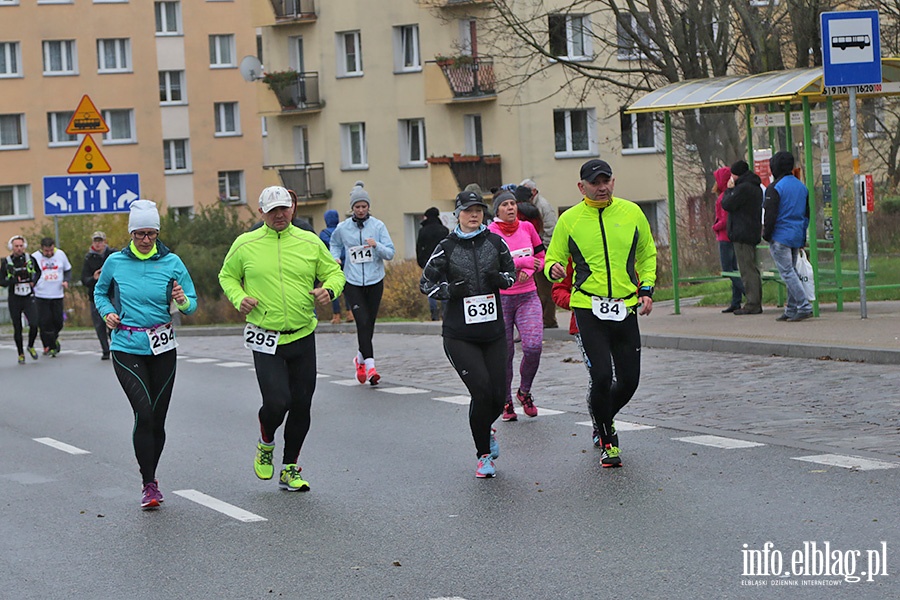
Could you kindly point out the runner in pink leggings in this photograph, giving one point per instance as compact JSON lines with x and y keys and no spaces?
{"x":521,"y":304}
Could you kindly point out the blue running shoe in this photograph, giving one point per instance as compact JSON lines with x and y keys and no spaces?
{"x":495,"y":447}
{"x":485,"y":467}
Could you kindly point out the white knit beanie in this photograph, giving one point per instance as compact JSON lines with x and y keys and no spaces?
{"x":144,"y":215}
{"x":358,"y":194}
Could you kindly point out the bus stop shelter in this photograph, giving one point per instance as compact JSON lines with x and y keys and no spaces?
{"x":804,"y":87}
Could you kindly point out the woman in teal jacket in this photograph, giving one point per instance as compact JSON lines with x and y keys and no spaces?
{"x":133,"y":296}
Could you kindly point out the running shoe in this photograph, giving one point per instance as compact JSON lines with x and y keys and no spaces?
{"x":360,"y":370}
{"x":53,"y":352}
{"x":21,"y":359}
{"x":291,"y":481}
{"x":104,"y":356}
{"x":32,"y":353}
{"x":46,"y":350}
{"x":373,"y":377}
{"x":262,"y":464}
{"x":58,"y":347}
{"x":151,"y":497}
{"x":610,"y":456}
{"x":485,"y":467}
{"x":495,"y":447}
{"x":158,"y":492}
{"x":527,"y":403}
{"x":509,"y":413}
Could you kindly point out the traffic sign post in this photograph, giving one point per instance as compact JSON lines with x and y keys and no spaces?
{"x":851,"y":57}
{"x":90,"y":194}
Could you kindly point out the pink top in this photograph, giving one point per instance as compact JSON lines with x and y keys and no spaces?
{"x":522,"y":245}
{"x":721,"y":175}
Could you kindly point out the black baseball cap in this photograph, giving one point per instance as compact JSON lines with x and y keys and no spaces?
{"x":466,"y":199}
{"x":592,"y":168}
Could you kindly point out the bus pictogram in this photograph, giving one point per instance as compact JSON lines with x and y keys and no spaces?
{"x":842,"y":42}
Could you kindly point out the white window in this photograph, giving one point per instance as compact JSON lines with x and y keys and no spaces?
{"x":406,"y":49}
{"x":56,"y":129}
{"x":573,"y":132}
{"x":12,"y":132}
{"x":15,"y":202}
{"x":412,"y":142}
{"x":121,"y":127}
{"x":466,"y":34}
{"x":10,"y":59}
{"x":176,"y":156}
{"x":60,"y":58}
{"x":228,"y":120}
{"x":632,"y":33}
{"x":231,"y":187}
{"x":221,"y":51}
{"x":168,"y":18}
{"x":171,"y":87}
{"x":472,"y":135}
{"x":114,"y":55}
{"x":639,"y":133}
{"x":295,"y":53}
{"x":570,"y":36}
{"x":353,"y":146}
{"x":349,"y":54}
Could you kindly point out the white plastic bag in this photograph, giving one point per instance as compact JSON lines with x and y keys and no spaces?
{"x":805,"y":272}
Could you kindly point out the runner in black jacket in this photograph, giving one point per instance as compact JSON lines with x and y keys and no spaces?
{"x":468,"y":269}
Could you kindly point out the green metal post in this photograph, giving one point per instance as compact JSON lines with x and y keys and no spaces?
{"x":673,"y":224}
{"x":749,"y":120}
{"x":788,"y":134}
{"x":811,"y":189}
{"x":835,"y":207}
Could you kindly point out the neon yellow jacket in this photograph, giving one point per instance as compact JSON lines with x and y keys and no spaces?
{"x":612,"y":250}
{"x":280,"y":269}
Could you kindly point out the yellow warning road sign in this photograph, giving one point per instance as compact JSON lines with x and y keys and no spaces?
{"x":86,"y":119}
{"x":88,"y":158}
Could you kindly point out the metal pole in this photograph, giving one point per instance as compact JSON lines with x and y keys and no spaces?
{"x":56,"y":230}
{"x":860,"y":218}
{"x":673,"y":223}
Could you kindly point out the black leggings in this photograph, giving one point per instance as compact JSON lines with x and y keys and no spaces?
{"x":364,"y":302}
{"x":482,"y":367}
{"x":287,"y":380}
{"x":100,"y":327}
{"x":50,"y":312}
{"x":19,"y":305}
{"x":606,"y":342}
{"x":147,"y":381}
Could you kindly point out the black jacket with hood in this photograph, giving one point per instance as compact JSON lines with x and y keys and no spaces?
{"x":430,"y":235}
{"x":744,"y":203}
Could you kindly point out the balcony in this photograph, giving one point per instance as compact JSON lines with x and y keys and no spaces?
{"x":483,"y":170}
{"x":460,"y":79}
{"x":289,"y":12}
{"x":296,"y":92}
{"x":307,"y":180}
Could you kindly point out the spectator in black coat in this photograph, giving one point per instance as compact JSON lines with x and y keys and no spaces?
{"x":743,"y":203}
{"x":90,"y":273}
{"x":431,"y":233}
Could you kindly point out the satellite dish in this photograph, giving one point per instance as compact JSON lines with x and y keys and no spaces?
{"x":251,"y":69}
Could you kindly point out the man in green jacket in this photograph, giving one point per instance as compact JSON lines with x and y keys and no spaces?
{"x":269,"y":275}
{"x":614,"y":257}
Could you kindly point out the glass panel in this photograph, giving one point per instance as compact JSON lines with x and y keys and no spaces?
{"x":10,"y":130}
{"x":579,"y":130}
{"x":646,"y":136}
{"x":559,"y":131}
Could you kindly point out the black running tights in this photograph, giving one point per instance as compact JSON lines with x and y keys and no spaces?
{"x":364,"y":302}
{"x":19,"y":305}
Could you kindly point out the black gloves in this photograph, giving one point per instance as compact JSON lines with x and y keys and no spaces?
{"x":457,"y":289}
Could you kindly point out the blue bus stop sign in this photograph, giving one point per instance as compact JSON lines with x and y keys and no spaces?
{"x":851,"y":48}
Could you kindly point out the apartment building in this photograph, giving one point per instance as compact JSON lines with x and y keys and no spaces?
{"x":164,"y":77}
{"x":396,"y":94}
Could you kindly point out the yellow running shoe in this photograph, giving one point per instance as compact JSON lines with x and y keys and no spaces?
{"x":262,"y":464}
{"x":291,"y":480}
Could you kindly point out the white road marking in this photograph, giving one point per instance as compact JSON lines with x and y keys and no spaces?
{"x":622,"y":425}
{"x":82,"y":352}
{"x":347,"y":382}
{"x":454,"y":399}
{"x":60,"y":445}
{"x":402,"y":390}
{"x":547,"y":412}
{"x":231,"y":365}
{"x":202,"y":360}
{"x":322,"y":376}
{"x":847,"y":462}
{"x":183,"y":356}
{"x":716,"y":441}
{"x":223,"y":507}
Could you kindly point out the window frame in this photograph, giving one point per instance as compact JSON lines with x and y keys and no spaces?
{"x":69,"y":50}
{"x":12,"y":52}
{"x":590,"y":131}
{"x":57,"y":121}
{"x":22,"y":143}
{"x":407,"y":129}
{"x":21,"y":198}
{"x":473,"y":134}
{"x":343,"y":56}
{"x":634,"y":131}
{"x":584,"y":28}
{"x":347,"y":139}
{"x":170,"y":156}
{"x":227,"y":196}
{"x":215,"y":50}
{"x":221,"y":119}
{"x":166,"y":87}
{"x":161,"y":23}
{"x":109,"y":116}
{"x":402,"y":43}
{"x":122,"y":48}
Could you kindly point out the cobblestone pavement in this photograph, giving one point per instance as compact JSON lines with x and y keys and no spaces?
{"x":817,"y":404}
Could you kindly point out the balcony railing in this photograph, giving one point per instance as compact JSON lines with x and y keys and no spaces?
{"x":294,"y":10}
{"x":470,"y":77}
{"x":483,"y":170}
{"x":300,"y":94}
{"x":307,"y":180}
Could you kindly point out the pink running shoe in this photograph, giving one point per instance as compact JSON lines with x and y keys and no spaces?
{"x":151,"y":496}
{"x":509,"y":413}
{"x":360,"y":370}
{"x":527,"y":403}
{"x":373,"y":376}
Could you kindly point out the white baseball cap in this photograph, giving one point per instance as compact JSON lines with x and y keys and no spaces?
{"x":274,"y":196}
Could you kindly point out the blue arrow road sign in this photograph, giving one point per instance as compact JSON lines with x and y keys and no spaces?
{"x":86,"y":194}
{"x":851,"y":48}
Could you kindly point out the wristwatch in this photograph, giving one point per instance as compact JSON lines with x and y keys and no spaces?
{"x":646,"y":290}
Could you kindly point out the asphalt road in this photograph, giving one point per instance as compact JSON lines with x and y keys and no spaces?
{"x":395,"y":510}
